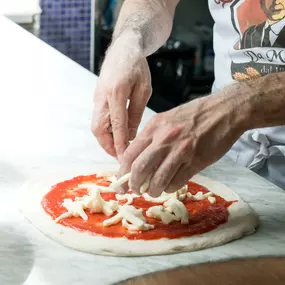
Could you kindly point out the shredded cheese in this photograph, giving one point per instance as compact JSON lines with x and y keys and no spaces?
{"x":161,"y":199}
{"x":212,"y":200}
{"x":112,"y":221}
{"x":133,"y":219}
{"x":145,"y":186}
{"x":99,"y":205}
{"x":179,"y":194}
{"x":178,"y":209}
{"x":189,"y":195}
{"x":116,"y":184}
{"x":91,"y":186}
{"x":74,"y":209}
{"x":159,"y":212}
{"x":130,"y":227}
{"x":128,"y":196}
{"x":207,"y":195}
{"x":200,"y":196}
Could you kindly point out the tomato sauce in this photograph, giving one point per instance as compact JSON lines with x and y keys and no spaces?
{"x":204,"y":216}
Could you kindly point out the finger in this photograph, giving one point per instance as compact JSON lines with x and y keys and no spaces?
{"x":182,"y":176}
{"x":138,"y":101}
{"x":132,"y":152}
{"x":119,"y":118}
{"x":165,"y":173}
{"x":146,"y":165}
{"x":130,"y":155}
{"x":100,"y":124}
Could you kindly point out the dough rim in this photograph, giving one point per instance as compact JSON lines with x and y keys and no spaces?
{"x":242,"y":221}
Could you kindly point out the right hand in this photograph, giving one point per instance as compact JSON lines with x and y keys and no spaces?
{"x":124,"y":76}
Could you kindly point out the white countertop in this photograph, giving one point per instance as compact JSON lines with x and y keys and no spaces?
{"x":45,"y":111}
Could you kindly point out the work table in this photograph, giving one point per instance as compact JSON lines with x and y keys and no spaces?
{"x":45,"y":112}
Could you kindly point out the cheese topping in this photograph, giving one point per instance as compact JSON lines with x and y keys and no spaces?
{"x":90,"y":186}
{"x":99,"y":205}
{"x":178,"y":209}
{"x":93,"y":202}
{"x":145,"y":186}
{"x":199,"y":196}
{"x":74,"y":209}
{"x":128,"y":196}
{"x":132,"y":219}
{"x":179,"y":194}
{"x":112,"y":221}
{"x":212,"y":200}
{"x":161,"y":199}
{"x":159,"y":212}
{"x":116,"y":184}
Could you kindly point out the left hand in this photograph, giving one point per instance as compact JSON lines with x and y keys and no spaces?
{"x":178,"y":144}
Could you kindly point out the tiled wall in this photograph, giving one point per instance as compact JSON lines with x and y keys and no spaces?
{"x":65,"y":25}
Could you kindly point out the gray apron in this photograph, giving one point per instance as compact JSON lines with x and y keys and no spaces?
{"x":262,"y":151}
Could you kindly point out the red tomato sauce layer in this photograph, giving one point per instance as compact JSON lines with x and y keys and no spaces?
{"x":204,"y":216}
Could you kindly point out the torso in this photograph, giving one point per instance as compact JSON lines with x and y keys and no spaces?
{"x":242,"y":52}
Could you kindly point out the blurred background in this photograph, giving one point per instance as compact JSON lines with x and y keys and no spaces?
{"x":182,"y":70}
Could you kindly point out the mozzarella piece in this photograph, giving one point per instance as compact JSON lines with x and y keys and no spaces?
{"x":212,"y":200}
{"x":126,"y":196}
{"x":159,"y":212}
{"x":132,"y":219}
{"x":133,"y":215}
{"x":91,"y":186}
{"x":74,"y":209}
{"x":198,"y":196}
{"x":208,"y":194}
{"x":112,"y":221}
{"x":112,"y":178}
{"x":108,"y":176}
{"x":181,"y":197}
{"x":178,"y":208}
{"x":99,"y":205}
{"x":179,"y":194}
{"x":84,"y":201}
{"x":189,"y":195}
{"x":131,"y":227}
{"x":145,"y":186}
{"x":161,"y":199}
{"x":116,"y":184}
{"x":183,"y":190}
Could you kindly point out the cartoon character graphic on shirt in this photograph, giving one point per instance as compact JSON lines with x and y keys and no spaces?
{"x":270,"y":33}
{"x":260,"y":47}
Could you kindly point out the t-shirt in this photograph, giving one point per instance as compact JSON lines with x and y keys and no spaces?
{"x":249,"y":42}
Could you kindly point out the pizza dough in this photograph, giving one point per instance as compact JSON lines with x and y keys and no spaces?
{"x":242,"y":221}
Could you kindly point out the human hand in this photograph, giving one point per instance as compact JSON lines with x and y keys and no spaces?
{"x":124,"y":77}
{"x":178,"y":144}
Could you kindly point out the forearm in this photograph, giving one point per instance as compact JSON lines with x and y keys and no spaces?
{"x":145,"y":24}
{"x":258,"y":103}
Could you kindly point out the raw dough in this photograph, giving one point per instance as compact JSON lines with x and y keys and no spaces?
{"x":242,"y":221}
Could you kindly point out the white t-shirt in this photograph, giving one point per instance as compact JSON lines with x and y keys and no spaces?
{"x":249,"y":41}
